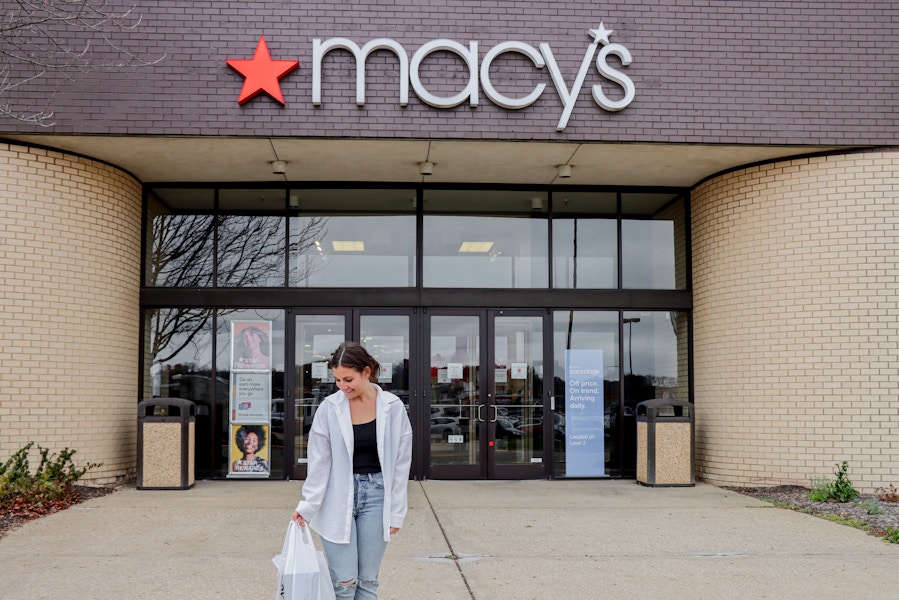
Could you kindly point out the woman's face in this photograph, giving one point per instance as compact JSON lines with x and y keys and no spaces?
{"x":352,"y":382}
{"x":251,"y":443}
{"x":250,"y":339}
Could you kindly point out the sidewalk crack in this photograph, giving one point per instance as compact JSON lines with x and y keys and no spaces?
{"x":452,"y":555}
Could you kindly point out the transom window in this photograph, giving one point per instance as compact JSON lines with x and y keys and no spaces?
{"x":280,"y":237}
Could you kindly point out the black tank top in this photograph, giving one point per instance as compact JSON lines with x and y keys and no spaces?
{"x":365,"y":448}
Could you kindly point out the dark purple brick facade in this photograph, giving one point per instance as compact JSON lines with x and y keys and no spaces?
{"x":764,"y":72}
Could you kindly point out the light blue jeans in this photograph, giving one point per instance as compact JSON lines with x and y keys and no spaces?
{"x":359,"y":561}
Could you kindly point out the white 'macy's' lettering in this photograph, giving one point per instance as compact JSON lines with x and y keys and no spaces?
{"x":319,"y":50}
{"x":490,"y":91}
{"x":410,"y":72}
{"x":569,"y":97}
{"x":630,"y":91}
{"x":469,"y":56}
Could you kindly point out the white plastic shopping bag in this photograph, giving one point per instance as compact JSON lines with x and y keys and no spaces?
{"x":302,"y":570}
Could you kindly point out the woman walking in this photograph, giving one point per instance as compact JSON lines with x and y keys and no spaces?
{"x":360,"y":452}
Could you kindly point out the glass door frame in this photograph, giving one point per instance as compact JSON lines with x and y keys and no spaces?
{"x":419,"y":400}
{"x":520,"y":471}
{"x":414,"y":400}
{"x":458,"y":471}
{"x":298,"y":470}
{"x":486,"y":468}
{"x":352,"y":331}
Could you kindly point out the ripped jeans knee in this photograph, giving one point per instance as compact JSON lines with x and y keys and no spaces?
{"x":356,"y":589}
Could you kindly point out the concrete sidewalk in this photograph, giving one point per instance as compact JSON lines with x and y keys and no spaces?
{"x":466,"y":540}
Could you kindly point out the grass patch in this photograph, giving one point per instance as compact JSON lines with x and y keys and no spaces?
{"x":855,"y":523}
{"x":892,"y":536}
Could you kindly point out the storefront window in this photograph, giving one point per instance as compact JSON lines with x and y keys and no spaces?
{"x":655,"y":364}
{"x":249,"y":362}
{"x":607,"y":357}
{"x":178,"y":364}
{"x":585,"y":350}
{"x":352,"y":238}
{"x":485,"y":239}
{"x":585,"y":240}
{"x":251,"y":251}
{"x":653,"y":242}
{"x":179,"y":246}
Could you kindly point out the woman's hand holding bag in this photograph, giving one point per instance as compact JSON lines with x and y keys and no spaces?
{"x":302,"y":570}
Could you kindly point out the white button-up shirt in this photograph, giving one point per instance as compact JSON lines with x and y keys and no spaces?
{"x":328,"y":490}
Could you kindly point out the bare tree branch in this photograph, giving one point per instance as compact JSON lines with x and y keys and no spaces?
{"x":251,"y":254}
{"x":38,"y":37}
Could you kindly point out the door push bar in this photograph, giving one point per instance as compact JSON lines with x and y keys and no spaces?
{"x":480,"y":415}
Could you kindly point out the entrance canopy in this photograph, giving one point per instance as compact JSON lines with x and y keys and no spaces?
{"x":221,"y":159}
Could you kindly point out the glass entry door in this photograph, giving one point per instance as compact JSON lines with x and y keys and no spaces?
{"x":472,"y":381}
{"x":486,"y":396}
{"x":387,"y":337}
{"x":316,"y":337}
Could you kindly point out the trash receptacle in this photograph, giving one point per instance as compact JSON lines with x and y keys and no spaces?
{"x":165,"y":444}
{"x":665,"y":443}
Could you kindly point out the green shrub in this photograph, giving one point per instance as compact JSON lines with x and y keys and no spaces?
{"x":892,"y":536}
{"x":52,"y":480}
{"x":840,"y":490}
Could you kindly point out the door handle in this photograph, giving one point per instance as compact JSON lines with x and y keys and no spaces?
{"x":493,"y":420}
{"x":480,"y":416}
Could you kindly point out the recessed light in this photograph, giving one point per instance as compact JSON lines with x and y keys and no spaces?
{"x":348,"y":246}
{"x":475,"y":246}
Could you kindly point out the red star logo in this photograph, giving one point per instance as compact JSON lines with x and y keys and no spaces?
{"x":262,"y":73}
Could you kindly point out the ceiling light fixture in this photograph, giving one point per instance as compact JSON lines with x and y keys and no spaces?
{"x":563,"y":171}
{"x":348,"y":246}
{"x":426,"y":168}
{"x":475,"y":246}
{"x":279,"y":167}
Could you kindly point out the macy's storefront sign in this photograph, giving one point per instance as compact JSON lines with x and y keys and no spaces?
{"x":263,"y":74}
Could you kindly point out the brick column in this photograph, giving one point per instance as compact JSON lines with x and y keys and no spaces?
{"x":796,"y":275}
{"x":70,"y":256}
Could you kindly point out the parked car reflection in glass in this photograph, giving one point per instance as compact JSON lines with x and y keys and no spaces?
{"x":443,"y":427}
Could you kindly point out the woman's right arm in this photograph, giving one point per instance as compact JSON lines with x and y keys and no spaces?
{"x":318,"y":469}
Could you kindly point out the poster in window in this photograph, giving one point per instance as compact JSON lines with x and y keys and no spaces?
{"x":251,"y":345}
{"x":251,"y":397}
{"x":249,"y":456}
{"x":584,"y":417}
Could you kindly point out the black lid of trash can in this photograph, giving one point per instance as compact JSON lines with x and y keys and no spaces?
{"x":663,"y":408}
{"x":176,"y":408}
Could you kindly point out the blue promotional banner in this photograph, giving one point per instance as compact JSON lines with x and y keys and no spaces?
{"x":585,"y":454}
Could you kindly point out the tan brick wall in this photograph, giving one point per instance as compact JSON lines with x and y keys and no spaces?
{"x":796,"y":274}
{"x":70,"y":257}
